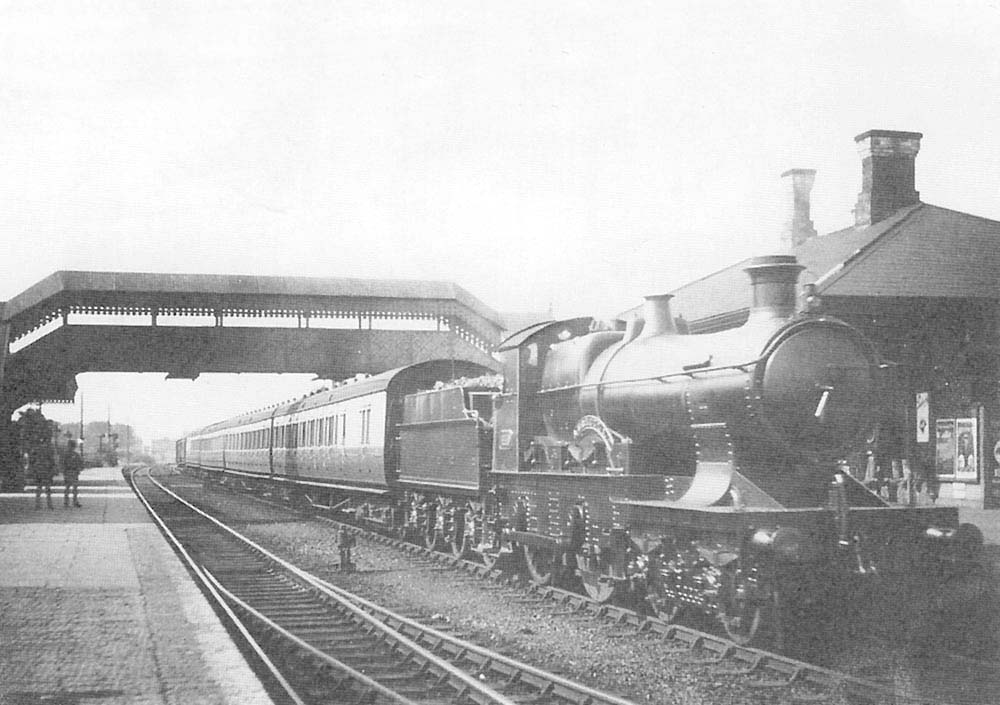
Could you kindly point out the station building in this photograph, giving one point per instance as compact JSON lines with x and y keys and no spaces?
{"x":922,"y":281}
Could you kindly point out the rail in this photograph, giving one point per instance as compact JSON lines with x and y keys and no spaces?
{"x":424,"y":641}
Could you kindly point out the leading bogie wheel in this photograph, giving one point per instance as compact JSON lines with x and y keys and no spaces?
{"x":751,"y":612}
{"x":743,"y":623}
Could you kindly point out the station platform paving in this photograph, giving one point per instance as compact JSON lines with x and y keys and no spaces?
{"x":97,"y":609}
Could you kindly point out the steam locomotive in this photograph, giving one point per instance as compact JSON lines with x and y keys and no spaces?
{"x":698,"y":473}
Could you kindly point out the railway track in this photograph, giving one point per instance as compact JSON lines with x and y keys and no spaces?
{"x":799,"y":680}
{"x":317,"y":643}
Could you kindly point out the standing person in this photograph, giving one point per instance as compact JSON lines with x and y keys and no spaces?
{"x":345,"y":541}
{"x":42,"y":464}
{"x":72,"y":465}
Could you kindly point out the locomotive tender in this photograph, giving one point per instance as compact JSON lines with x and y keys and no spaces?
{"x":698,"y":472}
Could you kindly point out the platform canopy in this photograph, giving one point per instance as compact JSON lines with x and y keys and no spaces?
{"x":187,"y":324}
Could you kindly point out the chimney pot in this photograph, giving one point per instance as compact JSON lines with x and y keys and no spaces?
{"x":799,"y":227}
{"x":888,"y":174}
{"x":773,"y":279}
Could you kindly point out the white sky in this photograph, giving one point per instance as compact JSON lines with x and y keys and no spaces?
{"x":572,"y":154}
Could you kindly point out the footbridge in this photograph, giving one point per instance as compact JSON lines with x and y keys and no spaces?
{"x":184,"y":325}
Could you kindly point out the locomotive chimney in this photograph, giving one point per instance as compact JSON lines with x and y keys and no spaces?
{"x":657,"y":316}
{"x":799,"y":227}
{"x":887,"y":174}
{"x":773,"y":279}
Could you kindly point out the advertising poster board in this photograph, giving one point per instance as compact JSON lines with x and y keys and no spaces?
{"x":991,"y":464}
{"x":944,"y":465}
{"x":966,"y":445}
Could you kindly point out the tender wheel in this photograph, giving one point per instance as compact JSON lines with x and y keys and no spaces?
{"x":540,"y":563}
{"x":489,"y":560}
{"x":457,"y":541}
{"x":461,"y":545}
{"x":432,"y":538}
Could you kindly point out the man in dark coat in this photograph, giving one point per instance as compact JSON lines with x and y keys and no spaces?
{"x":72,"y":465}
{"x":42,"y":465}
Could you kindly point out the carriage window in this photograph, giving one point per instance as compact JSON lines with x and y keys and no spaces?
{"x":343,"y":429}
{"x":366,"y":418}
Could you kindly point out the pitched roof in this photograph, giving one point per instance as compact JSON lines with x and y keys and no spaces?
{"x":920,"y":251}
{"x":930,"y":252}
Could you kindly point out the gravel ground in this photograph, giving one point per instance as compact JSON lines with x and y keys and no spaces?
{"x":590,"y":651}
{"x":593,"y":652}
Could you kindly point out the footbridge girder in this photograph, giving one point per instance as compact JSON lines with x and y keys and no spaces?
{"x":187,"y":324}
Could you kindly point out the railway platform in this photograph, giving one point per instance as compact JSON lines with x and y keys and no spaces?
{"x":96,"y":608}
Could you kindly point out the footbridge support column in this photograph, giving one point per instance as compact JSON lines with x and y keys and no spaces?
{"x":11,"y":473}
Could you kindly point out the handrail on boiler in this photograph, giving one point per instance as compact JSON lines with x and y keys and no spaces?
{"x":742,"y":367}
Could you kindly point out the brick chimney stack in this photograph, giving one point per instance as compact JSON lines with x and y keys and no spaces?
{"x":799,"y":227}
{"x":887,"y":174}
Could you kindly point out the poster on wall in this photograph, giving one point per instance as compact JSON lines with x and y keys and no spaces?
{"x":923,"y":418}
{"x":945,"y":456}
{"x":966,"y":457}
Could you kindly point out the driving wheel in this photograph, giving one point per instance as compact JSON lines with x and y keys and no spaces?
{"x":540,"y":563}
{"x":598,"y":586}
